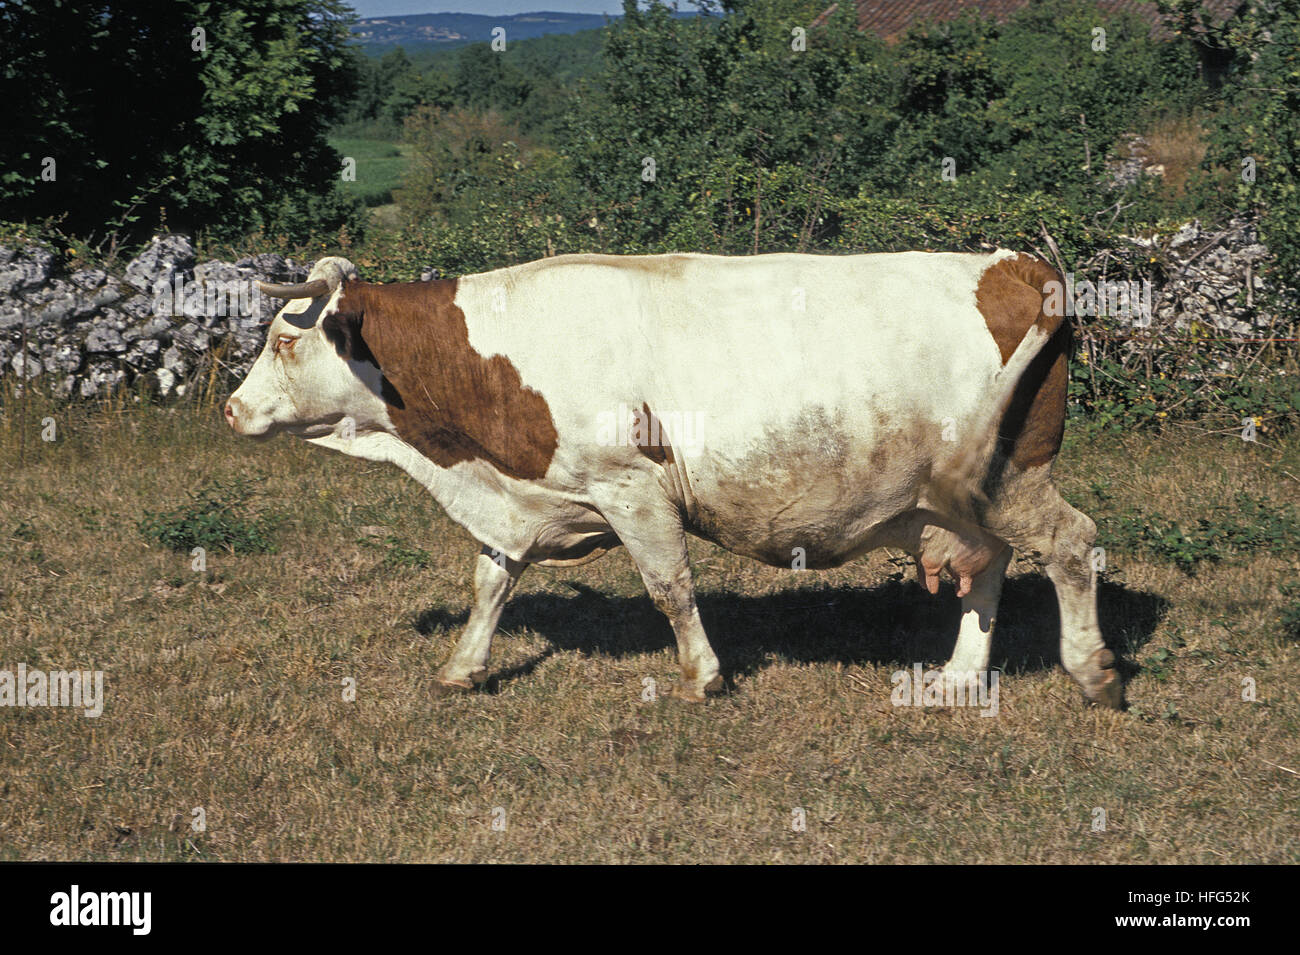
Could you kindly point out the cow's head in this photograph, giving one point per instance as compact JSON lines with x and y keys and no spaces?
{"x":300,"y":383}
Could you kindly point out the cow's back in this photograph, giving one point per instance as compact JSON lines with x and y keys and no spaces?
{"x":743,"y":338}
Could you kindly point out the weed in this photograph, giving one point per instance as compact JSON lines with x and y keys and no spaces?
{"x":217,"y":517}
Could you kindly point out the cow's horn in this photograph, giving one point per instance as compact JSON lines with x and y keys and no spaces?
{"x":302,"y":290}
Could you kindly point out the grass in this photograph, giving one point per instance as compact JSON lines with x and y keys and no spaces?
{"x":227,"y":687}
{"x":1177,"y":143}
{"x":381,"y":165}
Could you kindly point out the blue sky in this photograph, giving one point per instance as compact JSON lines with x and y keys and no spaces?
{"x":379,"y":8}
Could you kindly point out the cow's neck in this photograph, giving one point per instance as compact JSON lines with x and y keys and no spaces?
{"x":471,"y":498}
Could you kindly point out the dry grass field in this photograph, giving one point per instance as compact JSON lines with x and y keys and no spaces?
{"x":225,"y":688}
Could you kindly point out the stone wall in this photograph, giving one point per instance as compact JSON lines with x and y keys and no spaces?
{"x":88,"y":331}
{"x":159,"y":320}
{"x":1206,"y":276}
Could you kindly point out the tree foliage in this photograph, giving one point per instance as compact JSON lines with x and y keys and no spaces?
{"x":212,"y":110}
{"x":1257,"y":132}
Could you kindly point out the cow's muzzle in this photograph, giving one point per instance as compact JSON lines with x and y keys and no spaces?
{"x":231,"y":415}
{"x":238,"y":419}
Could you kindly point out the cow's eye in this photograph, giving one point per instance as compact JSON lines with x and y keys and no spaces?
{"x":284,"y":342}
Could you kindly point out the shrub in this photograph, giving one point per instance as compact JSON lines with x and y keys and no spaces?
{"x":218,"y":516}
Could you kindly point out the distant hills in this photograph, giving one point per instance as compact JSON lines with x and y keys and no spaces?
{"x":440,"y":31}
{"x":443,"y":30}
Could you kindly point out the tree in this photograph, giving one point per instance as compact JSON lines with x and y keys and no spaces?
{"x":681,"y":101}
{"x":1257,"y":139}
{"x":215,"y":110}
{"x":455,"y":152}
{"x":1041,"y":100}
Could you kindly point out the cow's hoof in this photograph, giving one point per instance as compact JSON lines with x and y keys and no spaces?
{"x":457,"y":685}
{"x":1108,"y":696}
{"x":694,"y":693}
{"x":1103,"y":687}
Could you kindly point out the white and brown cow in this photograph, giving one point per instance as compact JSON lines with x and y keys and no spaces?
{"x":835,"y":404}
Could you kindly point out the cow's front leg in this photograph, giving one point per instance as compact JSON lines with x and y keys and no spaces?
{"x":495,"y":576}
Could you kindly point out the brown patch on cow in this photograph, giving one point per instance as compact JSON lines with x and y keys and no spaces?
{"x":661,"y":451}
{"x":445,"y":399}
{"x":1011,"y":296}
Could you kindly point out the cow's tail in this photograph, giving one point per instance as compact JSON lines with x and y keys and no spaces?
{"x":958,"y":480}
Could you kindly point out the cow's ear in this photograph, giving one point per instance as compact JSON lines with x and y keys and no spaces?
{"x":343,"y":331}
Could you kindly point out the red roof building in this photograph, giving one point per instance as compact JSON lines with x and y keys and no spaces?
{"x":890,"y":19}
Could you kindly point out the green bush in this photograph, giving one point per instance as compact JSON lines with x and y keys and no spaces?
{"x":1291,"y":611}
{"x":214,"y":127}
{"x":218,"y":517}
{"x":1257,"y":132}
{"x":1246,"y":525}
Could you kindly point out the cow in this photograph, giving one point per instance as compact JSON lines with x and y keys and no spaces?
{"x":801,"y":410}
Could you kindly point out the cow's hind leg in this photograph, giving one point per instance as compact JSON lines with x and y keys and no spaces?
{"x":495,"y":575}
{"x":1033,"y":516}
{"x":1083,"y":651}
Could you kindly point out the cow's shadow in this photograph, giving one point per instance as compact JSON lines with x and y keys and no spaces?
{"x":893,"y":623}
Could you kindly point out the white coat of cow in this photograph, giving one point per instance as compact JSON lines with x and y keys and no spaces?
{"x":798,"y":409}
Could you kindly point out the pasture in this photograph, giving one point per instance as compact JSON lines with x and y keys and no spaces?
{"x":225,"y":688}
{"x":380,"y":166}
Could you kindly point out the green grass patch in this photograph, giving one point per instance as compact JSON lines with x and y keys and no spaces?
{"x":217,"y":517}
{"x":398,"y":554}
{"x":380,"y":166}
{"x":1245,"y":526}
